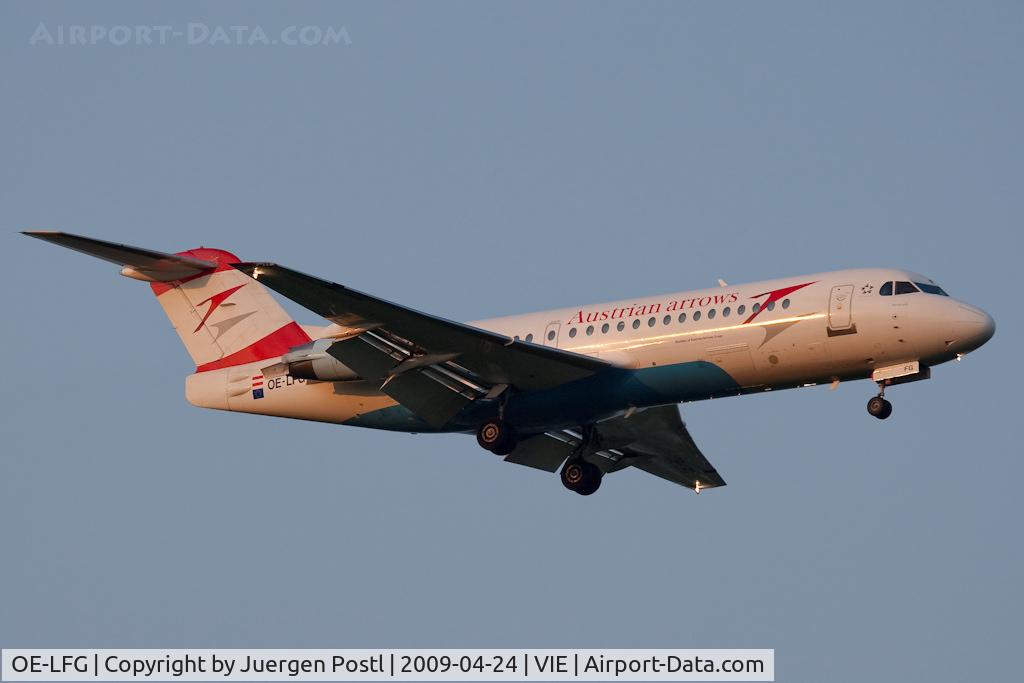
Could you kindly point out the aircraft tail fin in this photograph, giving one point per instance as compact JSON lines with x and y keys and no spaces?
{"x":222,"y":316}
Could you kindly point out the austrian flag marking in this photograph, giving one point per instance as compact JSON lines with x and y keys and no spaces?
{"x":257,"y":386}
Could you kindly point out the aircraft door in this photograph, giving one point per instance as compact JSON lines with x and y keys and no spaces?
{"x":551,"y":333}
{"x":840,"y":311}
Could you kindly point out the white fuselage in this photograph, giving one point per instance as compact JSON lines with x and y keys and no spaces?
{"x":765,"y":335}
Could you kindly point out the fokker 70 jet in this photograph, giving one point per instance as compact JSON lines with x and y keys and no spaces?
{"x":588,"y":390}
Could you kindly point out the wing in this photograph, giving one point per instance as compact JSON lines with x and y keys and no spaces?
{"x":431,"y":365}
{"x":654,"y":440}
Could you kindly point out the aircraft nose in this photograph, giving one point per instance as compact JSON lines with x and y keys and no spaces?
{"x":988,"y":328}
{"x":972,"y":328}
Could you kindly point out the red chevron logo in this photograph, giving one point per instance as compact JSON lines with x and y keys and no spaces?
{"x":215,"y":301}
{"x":773,"y":296}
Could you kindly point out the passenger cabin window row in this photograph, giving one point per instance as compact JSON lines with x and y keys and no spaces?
{"x":893,"y":288}
{"x":652,"y":321}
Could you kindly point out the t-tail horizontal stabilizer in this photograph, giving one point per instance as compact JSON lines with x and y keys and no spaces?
{"x":138,"y":263}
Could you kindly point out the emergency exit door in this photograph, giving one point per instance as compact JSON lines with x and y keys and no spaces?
{"x":840,"y":311}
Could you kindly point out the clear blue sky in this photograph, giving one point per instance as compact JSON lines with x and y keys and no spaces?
{"x":473,"y":160}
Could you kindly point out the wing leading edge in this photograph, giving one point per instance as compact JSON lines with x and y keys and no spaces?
{"x":431,"y":365}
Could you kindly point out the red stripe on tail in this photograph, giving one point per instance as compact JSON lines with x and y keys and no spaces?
{"x":273,"y":345}
{"x":222,"y":258}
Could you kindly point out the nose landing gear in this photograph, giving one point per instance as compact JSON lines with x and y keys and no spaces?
{"x":878,"y":406}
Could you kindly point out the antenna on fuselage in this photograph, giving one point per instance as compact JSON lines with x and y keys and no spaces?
{"x":722,"y":283}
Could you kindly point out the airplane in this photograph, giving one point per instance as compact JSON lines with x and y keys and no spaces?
{"x":586,"y":391}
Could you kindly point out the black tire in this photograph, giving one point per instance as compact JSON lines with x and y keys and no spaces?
{"x":581,"y":476}
{"x":573,"y":474}
{"x":886,"y":410}
{"x":507,"y":445}
{"x":876,"y":406}
{"x":497,"y":436}
{"x":593,"y":482}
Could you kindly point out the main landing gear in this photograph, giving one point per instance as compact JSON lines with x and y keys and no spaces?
{"x":878,"y":406}
{"x":500,"y":438}
{"x":497,"y":436}
{"x":577,"y":474}
{"x":581,"y":476}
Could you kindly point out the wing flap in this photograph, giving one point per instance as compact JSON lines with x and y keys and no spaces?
{"x":542,"y":452}
{"x":654,"y":440}
{"x":428,"y":396}
{"x":367,"y":359}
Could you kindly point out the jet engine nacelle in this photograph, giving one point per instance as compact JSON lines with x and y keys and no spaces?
{"x":311,"y":361}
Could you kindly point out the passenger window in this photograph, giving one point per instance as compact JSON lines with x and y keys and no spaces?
{"x":636,"y":324}
{"x":666,"y":320}
{"x":651,"y":321}
{"x":529,"y":337}
{"x":682,"y":317}
{"x":905,"y":288}
{"x":696,"y":316}
{"x":726,"y":311}
{"x":621,"y":326}
{"x":551,"y":335}
{"x":516,"y":338}
{"x":604,"y":328}
{"x":590,"y":330}
{"x":886,"y":289}
{"x":572,"y":331}
{"x":711,"y":314}
{"x":785,"y":303}
{"x":770,"y":306}
{"x":741,"y":309}
{"x":756,"y":308}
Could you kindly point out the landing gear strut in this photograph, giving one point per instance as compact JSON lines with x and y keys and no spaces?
{"x":577,"y":474}
{"x":497,"y":436}
{"x":581,"y":476}
{"x":878,"y":406}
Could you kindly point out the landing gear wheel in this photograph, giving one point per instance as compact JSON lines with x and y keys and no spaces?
{"x":886,"y":410}
{"x":497,"y":436}
{"x":581,"y":476}
{"x":879,"y":407}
